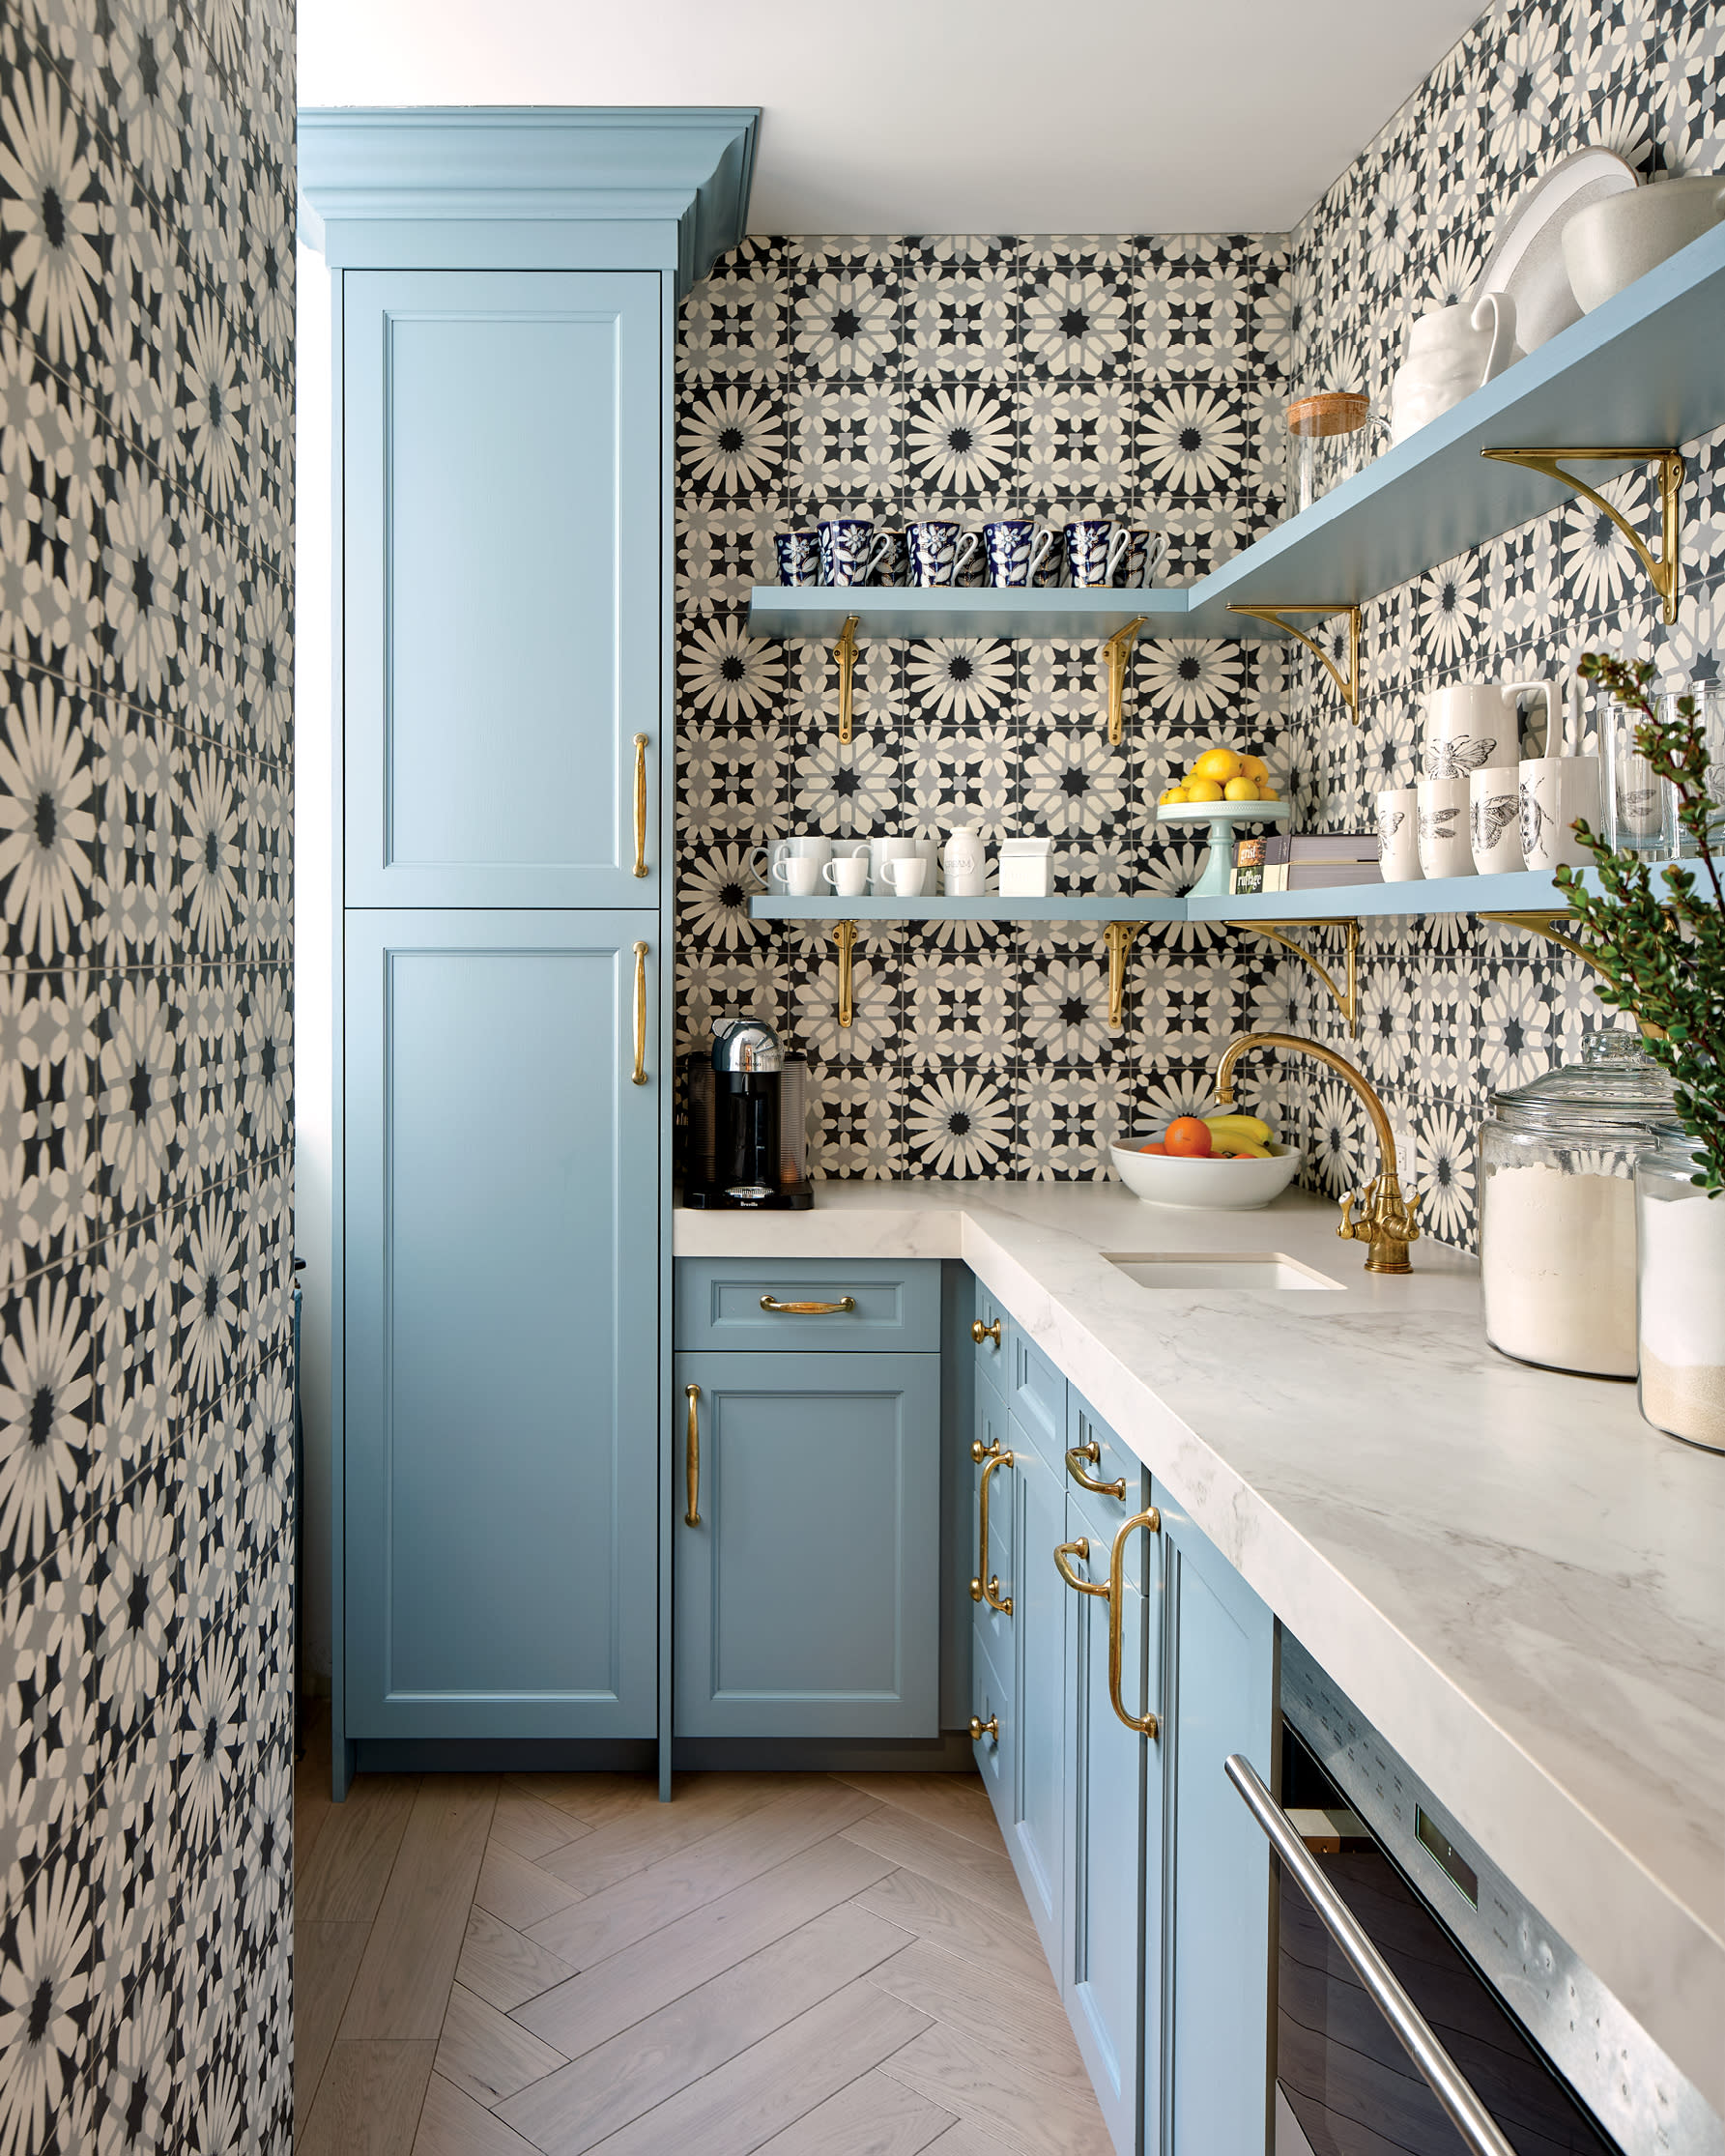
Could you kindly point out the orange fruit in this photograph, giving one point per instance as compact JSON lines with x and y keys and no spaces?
{"x":1155,"y":1146}
{"x":1188,"y":1138}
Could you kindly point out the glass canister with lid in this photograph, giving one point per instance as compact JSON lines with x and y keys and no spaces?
{"x":1681,"y":1234}
{"x":1557,"y":1208}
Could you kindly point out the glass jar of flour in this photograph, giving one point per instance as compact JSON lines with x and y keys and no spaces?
{"x":1681,"y":1233}
{"x":1557,"y":1208}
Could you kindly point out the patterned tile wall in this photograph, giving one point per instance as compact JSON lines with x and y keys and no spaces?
{"x":145,"y":506}
{"x":965,"y":376}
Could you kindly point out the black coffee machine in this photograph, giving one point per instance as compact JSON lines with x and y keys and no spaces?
{"x":746,"y":1142}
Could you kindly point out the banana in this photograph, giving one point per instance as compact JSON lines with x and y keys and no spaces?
{"x":1230,"y":1143}
{"x":1240,"y":1126}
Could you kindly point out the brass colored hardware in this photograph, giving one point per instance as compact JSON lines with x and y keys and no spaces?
{"x":987,"y":1459}
{"x":979,"y":1332}
{"x":1386,"y":1219}
{"x":1350,"y":686}
{"x":1117,"y":651}
{"x":845,"y":651}
{"x":1664,"y":574}
{"x":841,"y":1308}
{"x":1146,"y":1725}
{"x":639,"y":1074}
{"x":1080,"y":1549}
{"x":1347,"y":999}
{"x":1541,"y":924}
{"x":1091,"y":1452}
{"x":692,"y":1458}
{"x":1119,"y":936}
{"x":641,"y":804}
{"x":844,"y":938}
{"x":979,"y":1729}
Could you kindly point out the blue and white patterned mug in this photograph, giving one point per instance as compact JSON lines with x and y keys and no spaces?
{"x":1145,"y":554}
{"x":894,"y":563}
{"x":938,"y":553}
{"x":799,"y":555}
{"x":1015,"y":548}
{"x":852,"y":551}
{"x":1095,"y":550}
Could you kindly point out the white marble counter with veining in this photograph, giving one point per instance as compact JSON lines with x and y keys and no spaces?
{"x":1507,"y":1569}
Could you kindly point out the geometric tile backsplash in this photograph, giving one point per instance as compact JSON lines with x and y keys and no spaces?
{"x":146,"y":1567}
{"x":965,"y":377}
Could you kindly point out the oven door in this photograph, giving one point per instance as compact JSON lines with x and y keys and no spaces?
{"x":1388,"y":2040}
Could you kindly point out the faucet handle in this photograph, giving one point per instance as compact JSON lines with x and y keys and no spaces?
{"x":1386,"y":1222}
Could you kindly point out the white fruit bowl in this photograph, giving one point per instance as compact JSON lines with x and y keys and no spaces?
{"x":1228,"y":1186}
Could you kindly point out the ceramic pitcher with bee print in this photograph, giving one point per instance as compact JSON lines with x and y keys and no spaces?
{"x":1469,"y":727}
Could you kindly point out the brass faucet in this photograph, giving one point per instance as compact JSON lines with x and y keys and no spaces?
{"x":1386,"y":1218}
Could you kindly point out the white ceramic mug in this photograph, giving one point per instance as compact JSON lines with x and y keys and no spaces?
{"x":909,"y":872}
{"x":1398,"y":835}
{"x":799,"y":874}
{"x":1494,"y":820}
{"x":883,"y":852}
{"x":1444,"y":847}
{"x":1555,"y":790}
{"x":847,"y":874}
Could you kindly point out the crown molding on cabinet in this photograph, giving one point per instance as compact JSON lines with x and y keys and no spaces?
{"x":687,"y":167}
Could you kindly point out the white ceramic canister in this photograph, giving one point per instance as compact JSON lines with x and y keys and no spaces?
{"x":966,"y":865}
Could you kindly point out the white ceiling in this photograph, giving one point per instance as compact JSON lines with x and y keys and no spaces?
{"x":940,"y":115}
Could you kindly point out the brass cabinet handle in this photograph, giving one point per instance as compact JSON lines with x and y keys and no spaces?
{"x":841,"y":1308}
{"x":639,"y":1075}
{"x":1091,"y":1452}
{"x":692,"y":1462}
{"x":1080,"y":1549}
{"x":985,"y":1587}
{"x":641,"y":804}
{"x":1146,"y":1725}
{"x":979,"y":1332}
{"x":979,"y":1729}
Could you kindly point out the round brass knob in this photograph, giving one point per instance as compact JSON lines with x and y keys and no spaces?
{"x":979,"y":1729}
{"x":979,"y":1332}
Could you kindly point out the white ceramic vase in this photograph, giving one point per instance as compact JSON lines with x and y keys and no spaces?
{"x":1451,"y":352}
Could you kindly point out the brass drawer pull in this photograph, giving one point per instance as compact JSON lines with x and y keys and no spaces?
{"x":1080,"y":1549}
{"x":639,"y":1075}
{"x":1146,"y":1725}
{"x":841,"y":1308}
{"x":979,"y":1332}
{"x":1091,"y":1452}
{"x":641,"y":804}
{"x":985,"y":1586}
{"x":979,"y":1729}
{"x":692,"y":1463}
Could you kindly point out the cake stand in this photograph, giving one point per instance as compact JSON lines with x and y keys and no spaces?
{"x":1221,"y":818}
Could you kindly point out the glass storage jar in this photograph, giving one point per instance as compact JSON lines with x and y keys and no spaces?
{"x":1557,"y":1208}
{"x":1680,"y":1302}
{"x":1331,"y":434}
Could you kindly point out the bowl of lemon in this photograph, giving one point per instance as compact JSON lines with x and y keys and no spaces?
{"x":1223,"y":1162}
{"x":1223,"y":788}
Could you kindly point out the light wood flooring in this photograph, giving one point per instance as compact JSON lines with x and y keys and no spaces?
{"x":795,"y":1964}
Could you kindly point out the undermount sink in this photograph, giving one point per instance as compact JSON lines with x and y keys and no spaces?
{"x":1256,"y":1269}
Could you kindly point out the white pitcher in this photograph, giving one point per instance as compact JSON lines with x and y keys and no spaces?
{"x":1451,"y":352}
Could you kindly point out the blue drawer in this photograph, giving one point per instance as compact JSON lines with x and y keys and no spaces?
{"x":1117,"y":1463}
{"x":1036,"y":1398}
{"x":734,"y":1302}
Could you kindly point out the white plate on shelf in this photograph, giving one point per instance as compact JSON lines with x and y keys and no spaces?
{"x":1527,"y":258}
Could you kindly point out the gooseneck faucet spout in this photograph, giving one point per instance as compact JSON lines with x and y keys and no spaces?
{"x":1386,"y":1218}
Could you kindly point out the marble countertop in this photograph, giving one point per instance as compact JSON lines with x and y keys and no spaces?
{"x":1517,"y":1579}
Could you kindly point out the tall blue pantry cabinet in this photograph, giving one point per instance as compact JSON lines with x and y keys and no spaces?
{"x":505,"y":289}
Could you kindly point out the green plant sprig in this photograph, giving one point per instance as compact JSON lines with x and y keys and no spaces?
{"x":1662,"y":959}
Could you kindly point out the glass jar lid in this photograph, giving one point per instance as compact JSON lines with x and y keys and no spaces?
{"x":1614,"y":1087}
{"x":1327,"y":412}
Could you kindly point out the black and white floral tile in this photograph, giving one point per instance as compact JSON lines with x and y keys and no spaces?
{"x":146,"y":502}
{"x":1143,"y":377}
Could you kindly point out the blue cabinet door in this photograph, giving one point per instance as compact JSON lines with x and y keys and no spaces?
{"x":1216,"y":1929}
{"x":992,"y":1628}
{"x":808,"y":1591}
{"x":1039,"y":1620}
{"x":501,"y":1302}
{"x":502,"y":585}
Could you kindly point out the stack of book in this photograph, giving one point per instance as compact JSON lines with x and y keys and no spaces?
{"x":1304,"y":861}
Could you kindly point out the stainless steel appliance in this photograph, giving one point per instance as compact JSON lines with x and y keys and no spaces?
{"x":1423,"y":2008}
{"x":746,"y":1116}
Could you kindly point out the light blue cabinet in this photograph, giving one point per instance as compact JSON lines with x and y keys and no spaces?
{"x":501,"y":1231}
{"x":807,"y":1580}
{"x":1037,"y":1835}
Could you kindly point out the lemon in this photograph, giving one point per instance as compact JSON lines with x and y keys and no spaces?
{"x":1255,"y":767}
{"x":1268,"y":794}
{"x":1220,"y":764}
{"x":1203,"y":790}
{"x":1170,"y":797}
{"x":1241,"y":789}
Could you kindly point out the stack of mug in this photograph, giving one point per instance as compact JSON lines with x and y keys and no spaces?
{"x":1012,"y":553}
{"x":892,"y":866}
{"x":1481,"y":807}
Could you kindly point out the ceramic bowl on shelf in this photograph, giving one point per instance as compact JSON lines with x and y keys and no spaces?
{"x":1611,"y":243}
{"x":1230,"y":1186}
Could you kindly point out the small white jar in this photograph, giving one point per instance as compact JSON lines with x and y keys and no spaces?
{"x":965,"y":864}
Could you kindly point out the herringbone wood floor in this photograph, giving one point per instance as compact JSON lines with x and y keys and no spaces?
{"x":793,"y":1965}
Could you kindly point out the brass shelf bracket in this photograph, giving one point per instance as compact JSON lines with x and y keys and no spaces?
{"x":1117,"y":651}
{"x":845,"y":651}
{"x":1348,"y":685}
{"x":1119,"y":936}
{"x":1664,"y":573}
{"x":845,"y":940}
{"x":1541,"y":924}
{"x":1348,"y":999}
